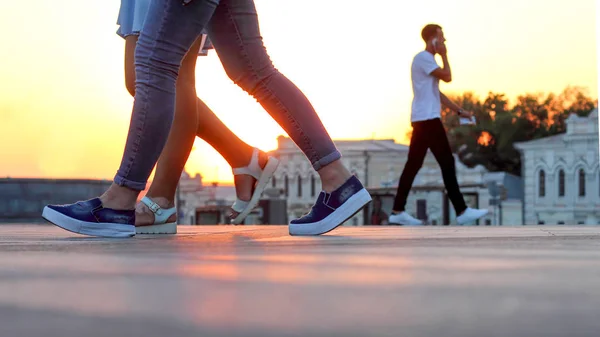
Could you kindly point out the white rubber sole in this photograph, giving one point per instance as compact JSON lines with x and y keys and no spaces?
{"x":106,"y":230}
{"x":472,"y":220}
{"x":354,"y":204}
{"x":408,"y":224}
{"x":268,"y":171}
{"x":166,"y":228}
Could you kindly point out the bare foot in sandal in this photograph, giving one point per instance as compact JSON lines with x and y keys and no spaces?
{"x":144,"y":216}
{"x":250,"y":181}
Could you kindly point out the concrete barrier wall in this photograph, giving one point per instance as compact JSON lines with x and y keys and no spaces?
{"x":22,"y":200}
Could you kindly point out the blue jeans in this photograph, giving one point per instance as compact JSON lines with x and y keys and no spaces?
{"x":169,"y":31}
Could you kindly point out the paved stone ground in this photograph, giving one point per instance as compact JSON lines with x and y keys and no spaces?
{"x":258,"y":281}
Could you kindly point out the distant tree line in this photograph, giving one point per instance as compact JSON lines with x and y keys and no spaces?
{"x":499,"y":125}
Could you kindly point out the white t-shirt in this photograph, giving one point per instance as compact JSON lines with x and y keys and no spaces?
{"x":426,"y":103}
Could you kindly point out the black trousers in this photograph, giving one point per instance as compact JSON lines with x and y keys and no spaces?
{"x":429,"y":134}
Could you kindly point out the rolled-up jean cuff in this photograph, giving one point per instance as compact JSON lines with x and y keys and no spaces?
{"x":134,"y":185}
{"x":328,"y":159}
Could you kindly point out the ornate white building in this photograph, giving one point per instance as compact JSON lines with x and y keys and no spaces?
{"x":561,"y":175}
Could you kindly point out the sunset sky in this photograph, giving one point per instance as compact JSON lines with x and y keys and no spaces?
{"x":65,"y":111}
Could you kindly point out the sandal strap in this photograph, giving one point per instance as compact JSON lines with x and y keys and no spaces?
{"x":239,"y":205}
{"x":160,"y":214}
{"x":253,"y":169}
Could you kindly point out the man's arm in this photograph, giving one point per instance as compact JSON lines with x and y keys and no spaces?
{"x":444,"y":74}
{"x":448,"y":103}
{"x":453,"y":106}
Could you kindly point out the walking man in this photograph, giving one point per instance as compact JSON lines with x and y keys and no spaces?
{"x":428,"y":130}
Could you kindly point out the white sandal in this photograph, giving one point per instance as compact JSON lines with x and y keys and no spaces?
{"x":161,"y":215}
{"x":262,"y":176}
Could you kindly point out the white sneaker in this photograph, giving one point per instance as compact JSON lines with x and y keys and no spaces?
{"x":471,"y":215}
{"x":405,"y":219}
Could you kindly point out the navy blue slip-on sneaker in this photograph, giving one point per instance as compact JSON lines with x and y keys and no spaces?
{"x":90,"y":218}
{"x":332,"y":209}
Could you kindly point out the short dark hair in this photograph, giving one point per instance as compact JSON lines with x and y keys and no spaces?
{"x":429,"y":31}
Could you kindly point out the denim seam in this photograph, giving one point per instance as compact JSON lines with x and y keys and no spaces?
{"x":129,"y":34}
{"x":138,"y":139}
{"x":136,"y":185}
{"x":326,"y":160}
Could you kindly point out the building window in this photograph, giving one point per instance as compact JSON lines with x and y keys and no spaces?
{"x":488,"y":222}
{"x":561,"y":222}
{"x":561,"y":183}
{"x":286,"y":186}
{"x":581,"y":183}
{"x":274,"y":182}
{"x":541,"y":222}
{"x":313,"y":187}
{"x":542,"y":184}
{"x":299,"y":186}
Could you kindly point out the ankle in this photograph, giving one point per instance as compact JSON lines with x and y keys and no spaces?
{"x":463,"y":211}
{"x":119,"y":198}
{"x":333,"y":176}
{"x":163,"y":202}
{"x":263,"y":158}
{"x":242,"y":157}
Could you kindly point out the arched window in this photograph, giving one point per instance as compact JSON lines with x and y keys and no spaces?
{"x":542,"y":184}
{"x":299,"y":186}
{"x":561,"y":183}
{"x":286,"y":185}
{"x":274,"y":182}
{"x":313,"y":187}
{"x":581,"y":181}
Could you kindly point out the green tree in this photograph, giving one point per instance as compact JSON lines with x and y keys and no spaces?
{"x":532,"y":116}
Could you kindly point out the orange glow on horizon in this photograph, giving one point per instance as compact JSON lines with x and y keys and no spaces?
{"x":65,"y":111}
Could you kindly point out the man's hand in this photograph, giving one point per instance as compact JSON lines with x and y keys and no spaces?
{"x":440,"y":48}
{"x":464,"y":114}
